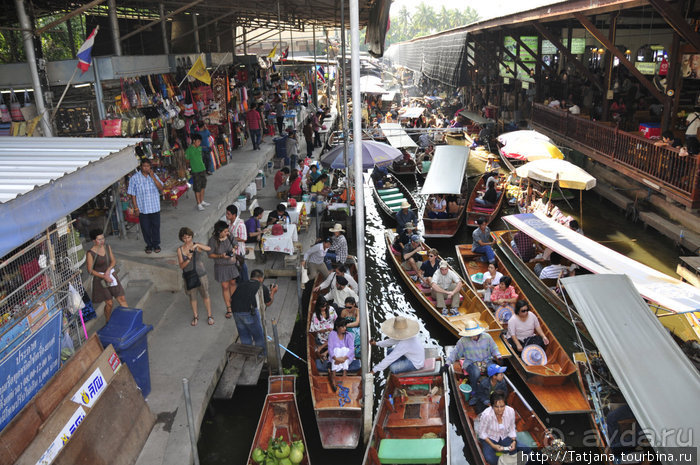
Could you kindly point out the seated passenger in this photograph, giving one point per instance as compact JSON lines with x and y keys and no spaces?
{"x":556,"y":269}
{"x":490,"y":197}
{"x":352,"y":314}
{"x":341,"y":291}
{"x":428,"y":268}
{"x":446,"y":285}
{"x":279,"y":214}
{"x":410,"y":255}
{"x":493,"y":381}
{"x":404,"y":348}
{"x":341,"y":352}
{"x":524,"y":246}
{"x":437,"y":207}
{"x":504,"y":295}
{"x":496,"y":430}
{"x":482,"y":241}
{"x":492,"y":278}
{"x":329,"y":282}
{"x":453,"y":206}
{"x":524,"y":328}
{"x":322,"y":324}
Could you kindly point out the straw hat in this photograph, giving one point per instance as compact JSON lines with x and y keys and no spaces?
{"x":405,"y":204}
{"x":504,"y":312}
{"x":409,"y":225}
{"x":472,"y":328}
{"x":337,"y":228}
{"x":400,"y":328}
{"x":491,"y":156}
{"x":534,"y":355}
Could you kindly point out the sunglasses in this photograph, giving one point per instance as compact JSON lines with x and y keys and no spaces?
{"x":349,"y":306}
{"x":523,"y":310}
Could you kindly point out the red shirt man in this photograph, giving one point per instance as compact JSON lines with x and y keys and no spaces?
{"x":254,"y":119}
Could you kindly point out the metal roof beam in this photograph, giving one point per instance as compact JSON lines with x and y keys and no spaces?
{"x":160,"y":20}
{"x":677,"y":22}
{"x":65,"y":18}
{"x":600,"y":37}
{"x":537,"y":56}
{"x":517,"y":60}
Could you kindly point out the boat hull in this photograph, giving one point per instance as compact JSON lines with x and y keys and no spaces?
{"x":474,"y":214}
{"x":386,"y":209}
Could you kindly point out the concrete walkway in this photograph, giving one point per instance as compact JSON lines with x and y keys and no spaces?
{"x":176,"y":349}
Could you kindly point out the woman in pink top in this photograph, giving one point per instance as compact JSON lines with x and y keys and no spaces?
{"x":524,"y":328}
{"x":504,"y":294}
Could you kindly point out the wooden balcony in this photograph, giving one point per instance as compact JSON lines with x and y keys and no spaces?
{"x":659,"y":168}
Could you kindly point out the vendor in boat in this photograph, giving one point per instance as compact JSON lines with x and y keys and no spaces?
{"x":504,"y":294}
{"x":446,"y":285}
{"x":411,"y":257}
{"x":403,"y":216}
{"x":490,"y":197}
{"x":478,"y":350}
{"x":495,"y":380}
{"x":405,"y":351}
{"x":321,"y":325}
{"x":428,"y":268}
{"x":400,"y":240}
{"x":524,"y":328}
{"x":496,"y":430}
{"x":482,"y":240}
{"x":437,"y":207}
{"x":341,"y":352}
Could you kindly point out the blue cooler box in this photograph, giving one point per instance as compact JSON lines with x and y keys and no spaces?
{"x":128,"y":335}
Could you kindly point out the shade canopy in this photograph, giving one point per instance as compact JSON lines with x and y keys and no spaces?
{"x":397,"y":136}
{"x":373,"y":154}
{"x":531,"y":149}
{"x":411,"y":112}
{"x":446,"y":170}
{"x":371,"y":85}
{"x":658,"y":381}
{"x":513,"y":136}
{"x":654,"y":285}
{"x":477,"y":118}
{"x":569,"y":175}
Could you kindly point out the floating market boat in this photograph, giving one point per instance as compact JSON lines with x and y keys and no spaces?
{"x":279,"y":419}
{"x":390,"y":196}
{"x":475,"y":211}
{"x":412,"y":423}
{"x":446,"y":176}
{"x":470,"y":307}
{"x":530,"y":429}
{"x":339,"y":413}
{"x":554,"y":383}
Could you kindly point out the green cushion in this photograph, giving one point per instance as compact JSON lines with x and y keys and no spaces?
{"x":525,"y":438}
{"x":420,"y":451}
{"x":395,"y":208}
{"x":394,"y":202}
{"x":388,"y":191}
{"x":397,"y":195}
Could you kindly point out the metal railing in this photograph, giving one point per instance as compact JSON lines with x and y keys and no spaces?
{"x":630,"y":152}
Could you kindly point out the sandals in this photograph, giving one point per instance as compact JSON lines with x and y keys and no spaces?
{"x":157,"y":250}
{"x":210,"y":321}
{"x":148,"y":250}
{"x":229,"y":313}
{"x":195,"y":320}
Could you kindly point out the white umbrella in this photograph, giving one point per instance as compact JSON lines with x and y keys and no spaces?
{"x":569,"y":175}
{"x":512,"y":136}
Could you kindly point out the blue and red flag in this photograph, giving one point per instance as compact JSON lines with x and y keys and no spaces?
{"x":85,"y":51}
{"x":320,"y":74}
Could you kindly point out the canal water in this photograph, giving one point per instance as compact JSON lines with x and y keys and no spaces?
{"x":229,"y":426}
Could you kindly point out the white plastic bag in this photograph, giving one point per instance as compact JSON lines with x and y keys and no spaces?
{"x":75,"y":300}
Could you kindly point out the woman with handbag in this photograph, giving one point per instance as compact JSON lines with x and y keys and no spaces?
{"x":225,"y":268}
{"x":193,"y":273}
{"x":105,"y":283}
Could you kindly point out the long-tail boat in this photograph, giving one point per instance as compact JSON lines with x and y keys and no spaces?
{"x":412,"y":423}
{"x":390,"y":196}
{"x":279,"y":417}
{"x":339,"y":423}
{"x":446,"y":176}
{"x":475,"y":211}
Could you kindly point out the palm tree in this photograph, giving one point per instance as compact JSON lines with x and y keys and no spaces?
{"x":424,"y":20}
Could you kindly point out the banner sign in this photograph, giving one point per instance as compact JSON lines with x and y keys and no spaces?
{"x":646,"y":68}
{"x":63,"y":437}
{"x":91,"y":390}
{"x":25,"y":370}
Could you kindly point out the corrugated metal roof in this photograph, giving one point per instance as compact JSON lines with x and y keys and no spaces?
{"x":30,"y":162}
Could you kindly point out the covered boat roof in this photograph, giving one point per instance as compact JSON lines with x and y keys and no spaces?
{"x":446,"y":170}
{"x":654,"y":285}
{"x":477,"y":118}
{"x":397,"y":136}
{"x":658,"y":381}
{"x":412,"y":112}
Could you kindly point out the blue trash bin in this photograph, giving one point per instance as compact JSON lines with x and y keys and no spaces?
{"x":128,"y":335}
{"x":281,"y":147}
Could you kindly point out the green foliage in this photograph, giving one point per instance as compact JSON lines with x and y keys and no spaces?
{"x":426,"y":20}
{"x":291,"y":371}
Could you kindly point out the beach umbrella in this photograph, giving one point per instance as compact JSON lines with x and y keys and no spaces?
{"x":373,"y":153}
{"x":569,"y":175}
{"x":531,"y":150}
{"x":512,"y":136}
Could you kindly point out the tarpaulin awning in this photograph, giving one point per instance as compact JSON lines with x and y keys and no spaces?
{"x":527,"y":134}
{"x":531,"y":150}
{"x":446,"y":170}
{"x":388,"y":96}
{"x":396,"y":136}
{"x":569,"y":175}
{"x":411,"y":112}
{"x":43,"y":179}
{"x":656,"y":378}
{"x":654,"y":285}
{"x":478,"y":119}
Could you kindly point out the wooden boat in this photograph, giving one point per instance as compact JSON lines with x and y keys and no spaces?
{"x":529,"y":427}
{"x":339,"y":427}
{"x":470,"y":264}
{"x":446,"y":227}
{"x":456,"y":139}
{"x":475,"y":211}
{"x":403,"y":168}
{"x":411,"y":407}
{"x":471,"y":307}
{"x":553,"y":384}
{"x":280,"y":416}
{"x":390,"y":197}
{"x":545,"y":288}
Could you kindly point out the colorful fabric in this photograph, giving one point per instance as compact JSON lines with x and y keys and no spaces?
{"x":324,"y":326}
{"x":508,"y":293}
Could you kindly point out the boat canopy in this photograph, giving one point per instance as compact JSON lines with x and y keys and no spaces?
{"x":551,"y":170}
{"x":397,"y":136}
{"x":477,"y":118}
{"x":446,"y":170}
{"x":658,"y":381}
{"x":388,"y":96}
{"x":411,"y":112}
{"x":654,"y":285}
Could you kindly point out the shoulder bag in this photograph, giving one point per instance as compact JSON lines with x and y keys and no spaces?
{"x":191,"y":277}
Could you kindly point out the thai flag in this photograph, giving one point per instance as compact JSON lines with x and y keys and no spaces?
{"x":320,"y":74}
{"x":85,"y":52}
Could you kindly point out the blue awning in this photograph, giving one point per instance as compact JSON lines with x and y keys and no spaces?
{"x":43,"y":179}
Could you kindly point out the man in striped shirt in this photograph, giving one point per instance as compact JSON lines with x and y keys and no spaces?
{"x":144,"y":191}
